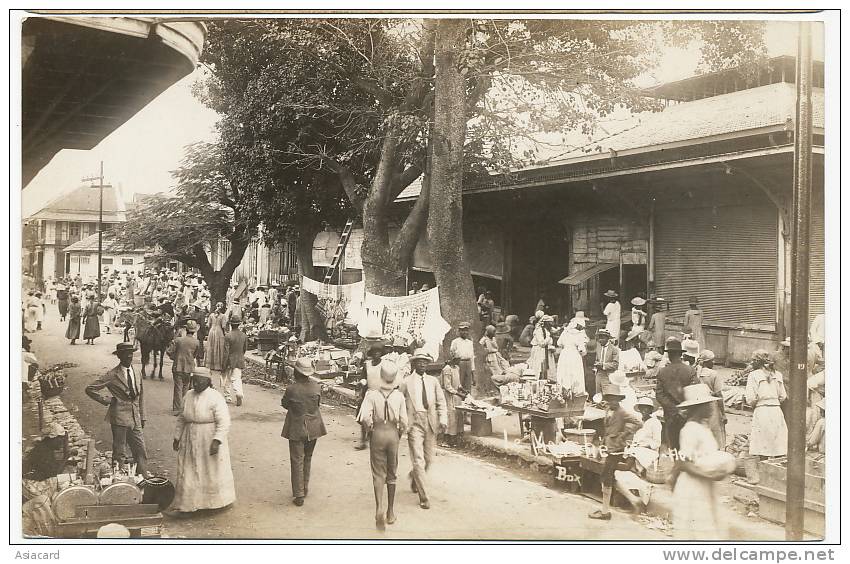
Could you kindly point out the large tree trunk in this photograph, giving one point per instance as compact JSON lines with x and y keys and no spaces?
{"x":312,"y":322}
{"x":445,"y":214}
{"x":218,"y":285}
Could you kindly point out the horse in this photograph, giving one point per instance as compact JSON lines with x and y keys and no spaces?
{"x":153,"y":336}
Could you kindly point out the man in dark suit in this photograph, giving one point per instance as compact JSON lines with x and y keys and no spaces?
{"x":235,"y":346}
{"x":669,"y":393}
{"x":126,"y":413}
{"x":303,"y":426}
{"x":185,"y":349}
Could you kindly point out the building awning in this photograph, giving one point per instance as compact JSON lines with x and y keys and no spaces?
{"x":588,"y":273}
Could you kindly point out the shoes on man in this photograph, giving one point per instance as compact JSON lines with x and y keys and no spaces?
{"x":380,"y":523}
{"x":360,"y":446}
{"x":601,"y":515}
{"x":299,"y":501}
{"x":238,"y":401}
{"x":390,"y":518}
{"x":425,"y":504}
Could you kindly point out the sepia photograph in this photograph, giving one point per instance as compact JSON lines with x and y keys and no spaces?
{"x":423,"y":276}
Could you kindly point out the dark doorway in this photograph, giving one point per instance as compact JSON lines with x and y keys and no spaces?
{"x":634,"y":283}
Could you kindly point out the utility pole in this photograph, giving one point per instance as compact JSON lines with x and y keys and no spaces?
{"x":801,"y":226}
{"x":99,"y":234}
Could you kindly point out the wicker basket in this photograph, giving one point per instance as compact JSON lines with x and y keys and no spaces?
{"x":661,"y":472}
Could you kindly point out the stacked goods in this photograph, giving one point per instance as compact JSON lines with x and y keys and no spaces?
{"x":52,"y":379}
{"x":739,"y":378}
{"x":740,"y":449}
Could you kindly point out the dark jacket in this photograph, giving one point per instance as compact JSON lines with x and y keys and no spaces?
{"x":184,"y":354}
{"x":235,"y":345}
{"x":123,"y":411}
{"x":671,"y":379}
{"x":303,"y":418}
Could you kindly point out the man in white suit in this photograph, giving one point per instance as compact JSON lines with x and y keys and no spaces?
{"x":427,"y":416}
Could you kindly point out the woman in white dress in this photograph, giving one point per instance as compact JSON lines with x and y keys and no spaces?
{"x":541,"y":360}
{"x":765,"y":392}
{"x":696,"y":503}
{"x":204,"y":476}
{"x":573,"y":344}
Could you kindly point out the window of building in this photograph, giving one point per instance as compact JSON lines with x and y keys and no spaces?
{"x":105,"y":260}
{"x":74,"y":229}
{"x":84,"y":260}
{"x":126,"y":262}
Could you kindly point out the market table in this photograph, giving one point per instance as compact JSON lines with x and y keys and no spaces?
{"x":542,"y":423}
{"x":480,"y":425}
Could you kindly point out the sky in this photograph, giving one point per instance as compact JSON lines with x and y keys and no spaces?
{"x":140,"y":154}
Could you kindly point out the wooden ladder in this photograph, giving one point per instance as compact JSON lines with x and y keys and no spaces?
{"x":340,"y":251}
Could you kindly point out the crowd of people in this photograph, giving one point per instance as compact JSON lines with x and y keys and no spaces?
{"x":397,"y":396}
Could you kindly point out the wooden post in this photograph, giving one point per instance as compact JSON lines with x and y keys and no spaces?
{"x":802,"y":196}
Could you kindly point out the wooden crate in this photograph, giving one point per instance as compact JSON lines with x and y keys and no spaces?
{"x":142,"y":519}
{"x":772,"y":475}
{"x":772,"y":508}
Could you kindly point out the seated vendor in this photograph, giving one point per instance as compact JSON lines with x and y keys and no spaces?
{"x":643,"y":453}
{"x":620,"y":427}
{"x":815,"y":428}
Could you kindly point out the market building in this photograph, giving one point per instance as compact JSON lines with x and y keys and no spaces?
{"x":68,"y":219}
{"x":81,"y":257}
{"x":691,"y":201}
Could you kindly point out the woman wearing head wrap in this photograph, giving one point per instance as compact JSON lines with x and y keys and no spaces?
{"x":765,"y":392}
{"x":493,"y":359}
{"x":573,"y":344}
{"x":204,"y":476}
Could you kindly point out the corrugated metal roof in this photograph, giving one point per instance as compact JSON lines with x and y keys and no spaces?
{"x":736,"y":112}
{"x":689,"y":123}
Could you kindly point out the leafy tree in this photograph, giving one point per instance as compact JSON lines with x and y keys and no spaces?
{"x":206,"y":205}
{"x":379,"y":102}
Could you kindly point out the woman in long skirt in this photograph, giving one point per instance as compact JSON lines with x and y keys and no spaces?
{"x":62,"y":301}
{"x":450,"y":381}
{"x":696,"y":503}
{"x":215,"y":342}
{"x":573,"y":343}
{"x":708,"y":376}
{"x":541,"y":360}
{"x":91,"y":330}
{"x":204,"y":475}
{"x":496,"y":363}
{"x":31,"y":307}
{"x":765,"y":392}
{"x":74,"y":316}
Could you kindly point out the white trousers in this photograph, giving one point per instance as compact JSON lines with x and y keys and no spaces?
{"x":231,"y":378}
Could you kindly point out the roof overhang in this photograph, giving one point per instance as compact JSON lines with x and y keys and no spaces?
{"x":83,"y":77}
{"x":588,"y":273}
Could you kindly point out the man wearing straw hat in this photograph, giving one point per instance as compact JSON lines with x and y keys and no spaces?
{"x":668,"y":391}
{"x":383,"y":414}
{"x":185,"y":349}
{"x":126,"y":413}
{"x":620,"y":427}
{"x":428,"y":417}
{"x":303,"y":426}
